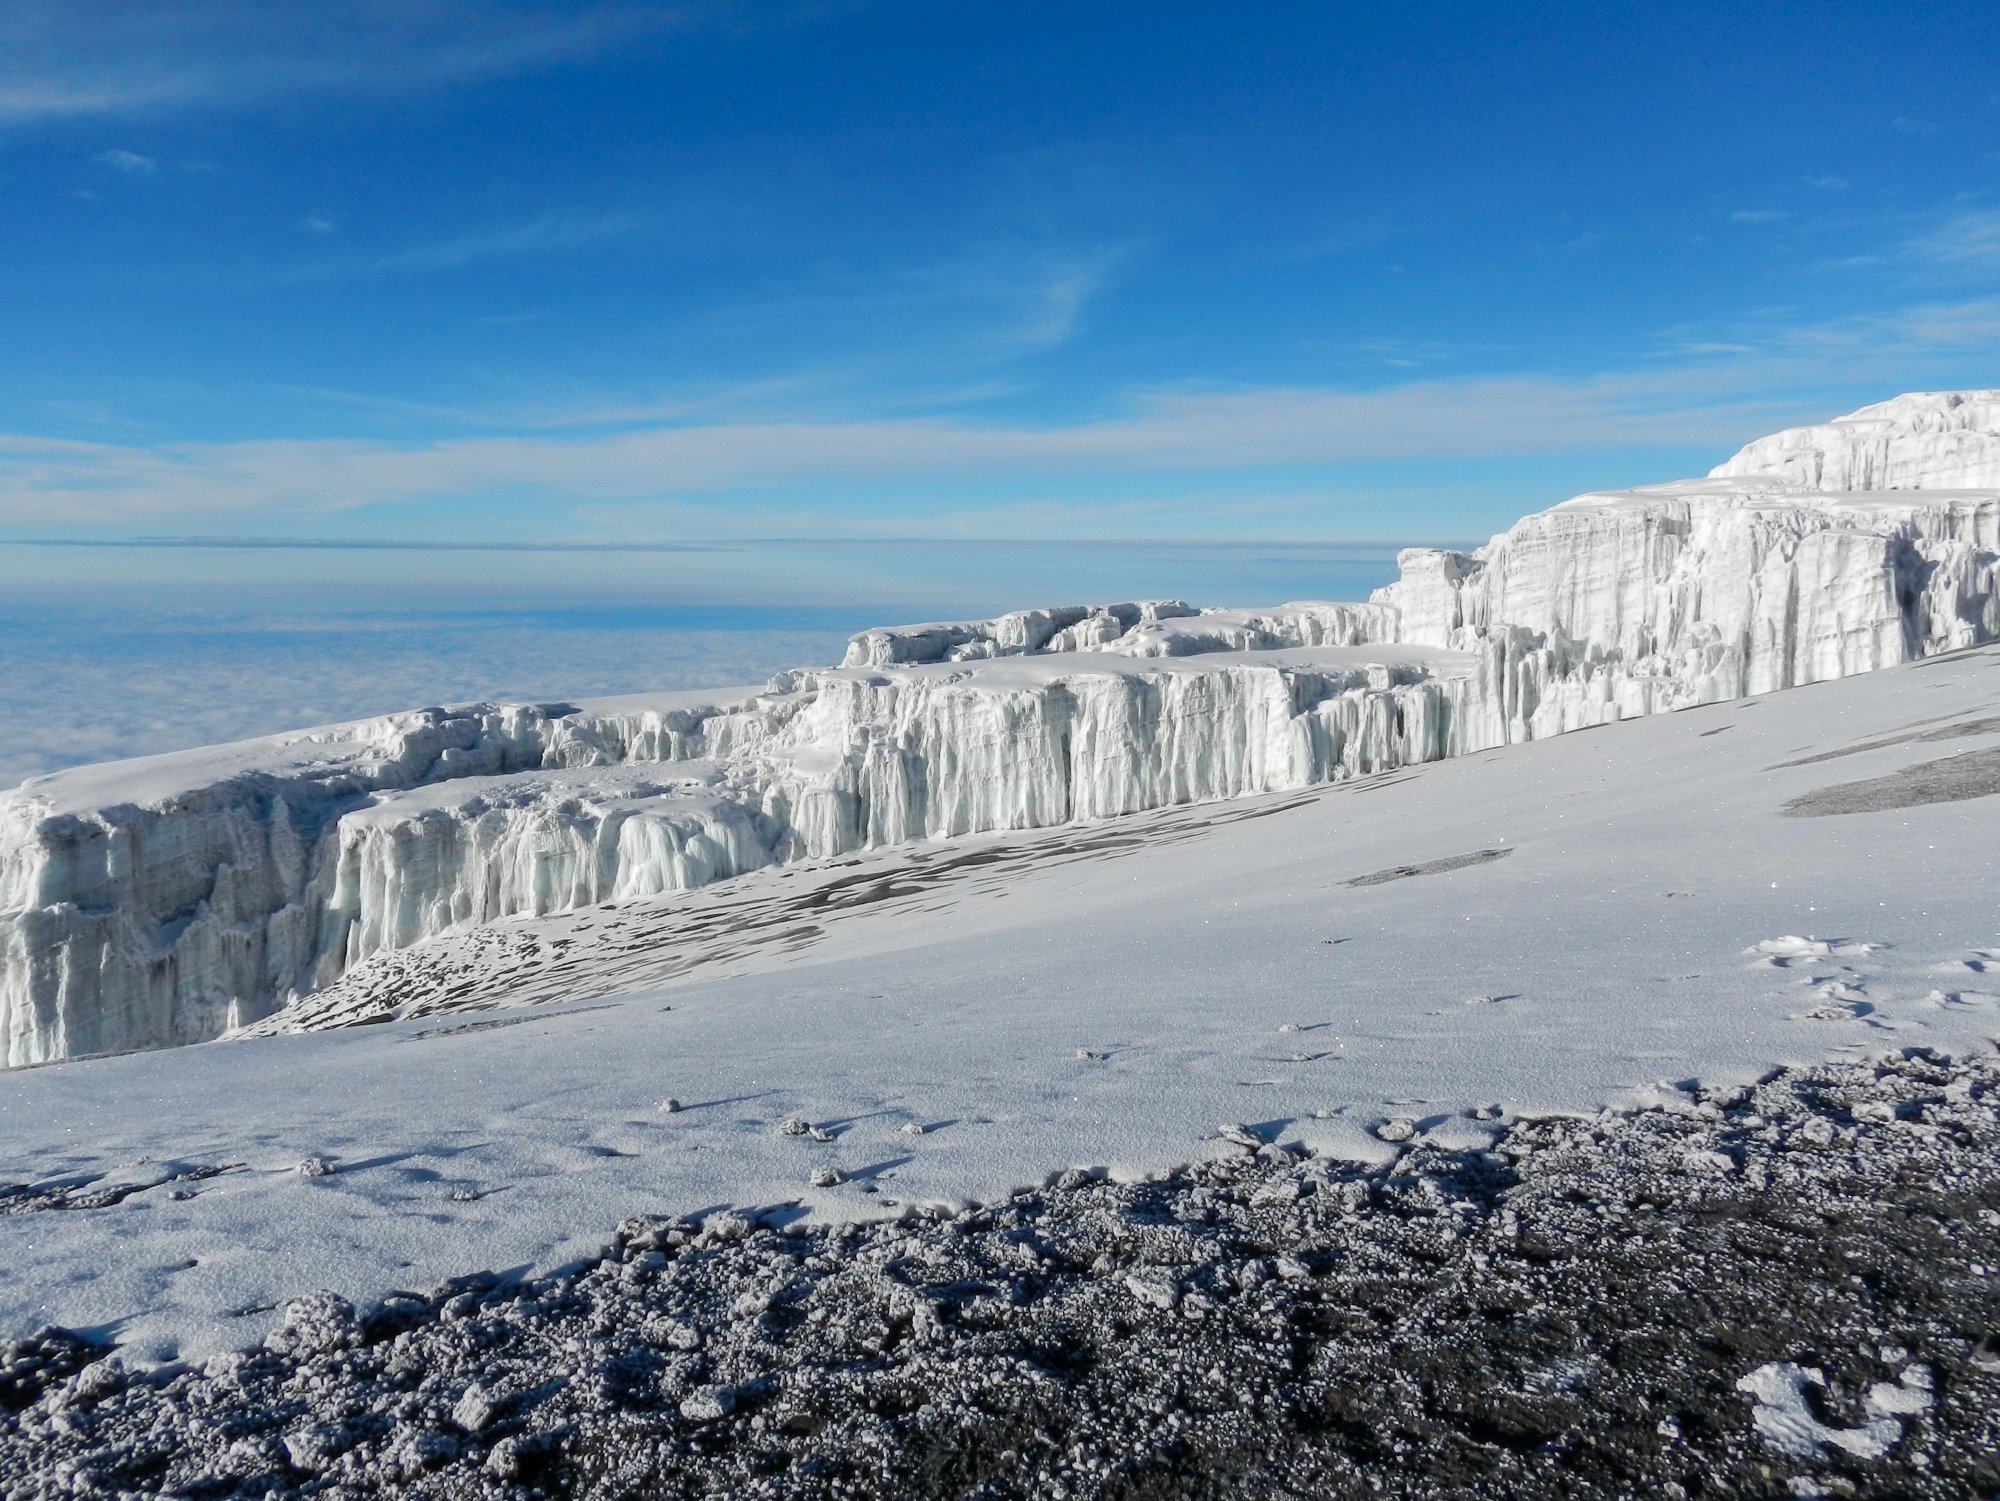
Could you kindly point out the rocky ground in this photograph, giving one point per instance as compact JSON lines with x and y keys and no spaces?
{"x":1787,"y":1291}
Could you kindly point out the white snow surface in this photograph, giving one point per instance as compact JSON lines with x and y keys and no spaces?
{"x":1552,"y":927}
{"x":1785,"y":1419}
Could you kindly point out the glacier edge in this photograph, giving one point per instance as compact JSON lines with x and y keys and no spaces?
{"x":168,"y":900}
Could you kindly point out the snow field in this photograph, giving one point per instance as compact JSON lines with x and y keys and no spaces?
{"x":1347,"y":968}
{"x":498,"y":978}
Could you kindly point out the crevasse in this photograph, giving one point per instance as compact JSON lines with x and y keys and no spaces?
{"x":166,"y":900}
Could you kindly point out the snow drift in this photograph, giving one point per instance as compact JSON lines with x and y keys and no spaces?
{"x":168,"y":899}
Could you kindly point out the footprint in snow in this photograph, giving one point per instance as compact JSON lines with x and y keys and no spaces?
{"x":1792,"y":949}
{"x":1963,"y":1000}
{"x":1831,"y":1012}
{"x":1835,"y":1000}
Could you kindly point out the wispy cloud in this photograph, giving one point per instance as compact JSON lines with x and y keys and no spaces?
{"x":1971,"y":325}
{"x":949,"y":321}
{"x":73,"y":58}
{"x":1368,"y":232}
{"x":538,"y":236}
{"x":1054,"y":303}
{"x":1880,"y":352}
{"x":131,"y":163}
{"x":710,"y":473}
{"x":1756,"y":216}
{"x":1967,"y":242}
{"x":44,"y":483}
{"x":1410,"y":354}
{"x":545,"y":234}
{"x":1008,"y":299}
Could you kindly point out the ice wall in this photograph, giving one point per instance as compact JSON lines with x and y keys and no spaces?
{"x":165,"y":900}
{"x":1703,"y":591}
{"x":1812,"y":554}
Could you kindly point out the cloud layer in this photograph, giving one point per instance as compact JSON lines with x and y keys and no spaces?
{"x":79,"y":58}
{"x":99,"y":691}
{"x":1717,"y":395}
{"x":46,"y":482}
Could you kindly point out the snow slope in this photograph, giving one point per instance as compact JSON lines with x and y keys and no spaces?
{"x":170,"y":899}
{"x":1562,"y":924}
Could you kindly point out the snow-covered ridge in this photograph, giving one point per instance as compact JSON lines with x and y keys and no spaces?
{"x":1149,"y":628}
{"x":165,"y":900}
{"x":1927,"y":441}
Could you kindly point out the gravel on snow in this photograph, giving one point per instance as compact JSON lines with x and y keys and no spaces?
{"x":1785,"y":1291}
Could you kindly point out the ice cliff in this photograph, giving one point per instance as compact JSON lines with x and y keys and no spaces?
{"x":165,"y":900}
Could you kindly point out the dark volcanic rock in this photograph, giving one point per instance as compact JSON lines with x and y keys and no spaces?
{"x":1787,"y":1291}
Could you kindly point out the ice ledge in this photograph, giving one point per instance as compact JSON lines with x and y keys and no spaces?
{"x":1142,"y":628}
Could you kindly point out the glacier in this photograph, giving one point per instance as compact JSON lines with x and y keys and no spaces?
{"x":175,"y":898}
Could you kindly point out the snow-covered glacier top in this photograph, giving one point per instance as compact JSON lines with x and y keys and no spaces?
{"x":1937,"y":440}
{"x":174,"y":898}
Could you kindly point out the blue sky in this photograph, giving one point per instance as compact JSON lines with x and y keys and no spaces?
{"x":428,"y":269}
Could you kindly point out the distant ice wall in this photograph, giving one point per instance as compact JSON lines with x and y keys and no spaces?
{"x":1148,"y":628}
{"x":1718,"y":591}
{"x":1811,"y":554}
{"x":1945,"y":440}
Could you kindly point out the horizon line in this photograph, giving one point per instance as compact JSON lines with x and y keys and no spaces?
{"x":716,"y":544}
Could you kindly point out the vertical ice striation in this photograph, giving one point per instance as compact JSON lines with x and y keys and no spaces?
{"x":1700,"y":591}
{"x":165,"y":900}
{"x":1812,"y":554}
